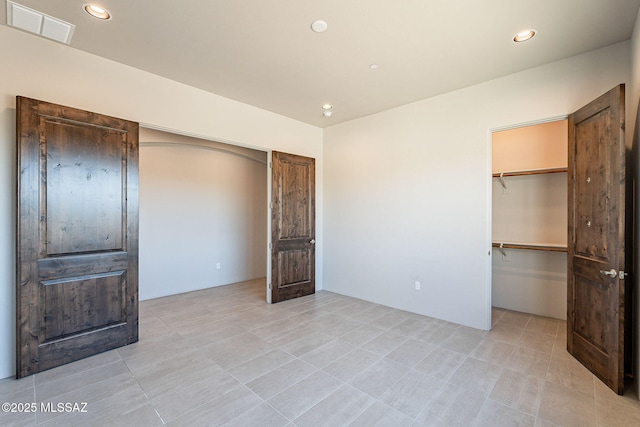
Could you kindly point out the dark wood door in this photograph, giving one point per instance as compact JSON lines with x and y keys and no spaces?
{"x":293,"y":227}
{"x":596,"y":250}
{"x":77,"y":246}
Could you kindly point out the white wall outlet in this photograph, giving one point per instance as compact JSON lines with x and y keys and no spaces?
{"x":218,"y":266}
{"x":417,"y":284}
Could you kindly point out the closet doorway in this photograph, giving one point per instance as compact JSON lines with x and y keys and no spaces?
{"x":529,"y":218}
{"x":599,"y":212}
{"x":203,"y":213}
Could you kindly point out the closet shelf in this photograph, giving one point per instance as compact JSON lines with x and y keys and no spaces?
{"x":551,"y":247}
{"x":529,"y":172}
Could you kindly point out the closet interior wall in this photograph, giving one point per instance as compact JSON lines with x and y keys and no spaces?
{"x":529,"y":219}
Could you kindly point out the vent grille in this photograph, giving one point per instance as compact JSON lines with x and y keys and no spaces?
{"x":30,"y":20}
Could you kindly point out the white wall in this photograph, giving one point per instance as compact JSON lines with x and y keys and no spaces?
{"x":407,"y":190}
{"x":201,"y":204}
{"x":52,"y":72}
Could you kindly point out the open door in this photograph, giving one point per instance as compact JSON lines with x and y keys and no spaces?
{"x":293,"y":227}
{"x":597,"y":266}
{"x":77,"y":245}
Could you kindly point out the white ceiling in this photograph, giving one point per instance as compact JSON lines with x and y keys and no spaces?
{"x":263,"y":52}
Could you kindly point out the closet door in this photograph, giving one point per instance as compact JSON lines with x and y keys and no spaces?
{"x":77,"y":272}
{"x":293,"y":227}
{"x":596,"y":241}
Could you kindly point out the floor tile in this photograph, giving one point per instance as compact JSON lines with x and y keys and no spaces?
{"x":451,"y":405}
{"x":379,"y":377}
{"x":221,"y":410}
{"x":537,"y":341}
{"x":362,"y":335}
{"x":236,"y":350}
{"x":504,"y":332}
{"x":303,"y":395}
{"x":173,"y":404}
{"x":389,"y":320}
{"x":440,"y":363}
{"x":258,"y":366}
{"x":338,"y":409}
{"x":463,"y":340}
{"x":515,"y":319}
{"x":435,"y":334}
{"x":262,"y":415}
{"x":411,"y":352}
{"x":519,"y":391}
{"x":411,"y":327}
{"x":385,"y":343}
{"x":618,"y":412}
{"x":53,"y":387}
{"x":351,"y":364}
{"x":170,"y":374}
{"x":571,"y":374}
{"x":494,"y":414}
{"x":566,"y":407}
{"x":529,"y":362}
{"x":279,"y":379}
{"x":75,"y":368}
{"x":476,"y":375}
{"x":381,"y":415}
{"x":411,"y":393}
{"x":344,"y":327}
{"x":544,"y":325}
{"x":213,"y":356}
{"x":307,"y":343}
{"x":327,"y":353}
{"x":496,"y":352}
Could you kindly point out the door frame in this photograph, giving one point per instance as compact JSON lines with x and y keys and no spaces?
{"x":489,"y":230}
{"x":269,"y":177}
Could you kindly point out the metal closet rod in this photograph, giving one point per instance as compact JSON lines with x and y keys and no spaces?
{"x":530,"y":246}
{"x":529,"y":172}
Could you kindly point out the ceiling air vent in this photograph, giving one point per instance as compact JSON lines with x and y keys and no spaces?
{"x":27,"y":19}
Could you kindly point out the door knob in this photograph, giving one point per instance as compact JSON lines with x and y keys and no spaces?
{"x":610,"y":273}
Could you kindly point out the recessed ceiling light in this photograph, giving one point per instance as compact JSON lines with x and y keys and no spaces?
{"x":373,"y":66}
{"x":327,"y":106}
{"x":327,"y":113}
{"x":523,"y":36}
{"x":97,"y":11}
{"x":319,"y":26}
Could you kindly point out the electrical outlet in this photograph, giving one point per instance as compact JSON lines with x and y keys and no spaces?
{"x":417,"y":284}
{"x":218,"y":266}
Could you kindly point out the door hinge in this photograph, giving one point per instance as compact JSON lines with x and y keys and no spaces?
{"x":269,"y":285}
{"x":270,"y":245}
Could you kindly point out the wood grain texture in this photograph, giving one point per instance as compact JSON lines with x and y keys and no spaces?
{"x":595,"y":302}
{"x":77,"y":284}
{"x":293,"y":227}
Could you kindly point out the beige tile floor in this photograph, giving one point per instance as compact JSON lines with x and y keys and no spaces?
{"x":222,"y":356}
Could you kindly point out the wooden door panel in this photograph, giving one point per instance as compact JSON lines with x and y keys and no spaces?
{"x":594,"y":212}
{"x":295,"y":209}
{"x":293,"y":227}
{"x":60,"y":352}
{"x":84,"y":187}
{"x":596,"y":243}
{"x":77,"y":275}
{"x":80,"y":304}
{"x":593,"y":292}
